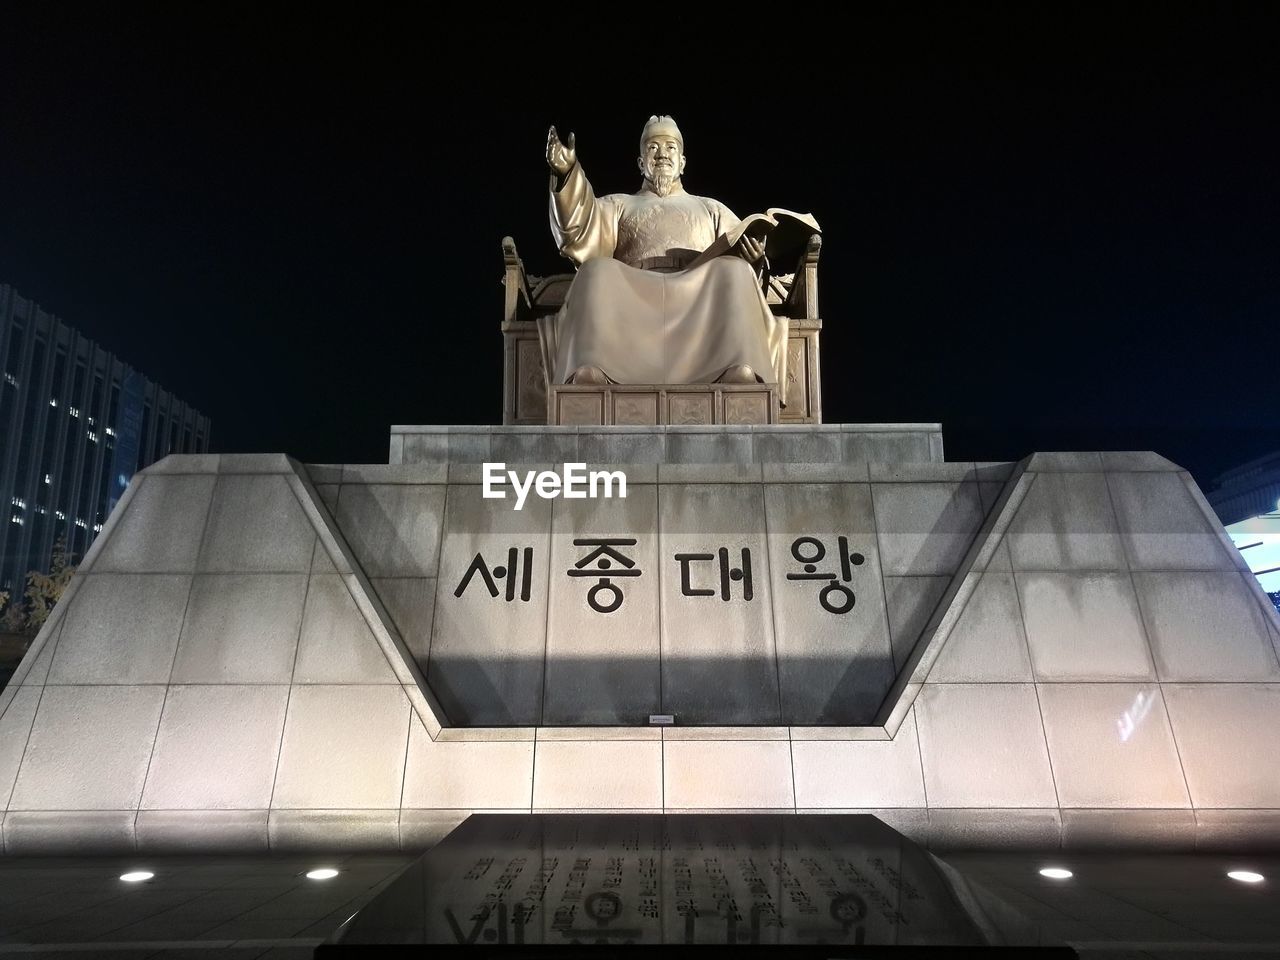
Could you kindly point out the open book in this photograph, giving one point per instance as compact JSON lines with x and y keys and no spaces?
{"x":785,"y":234}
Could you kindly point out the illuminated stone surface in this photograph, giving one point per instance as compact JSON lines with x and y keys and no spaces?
{"x":978,"y":691}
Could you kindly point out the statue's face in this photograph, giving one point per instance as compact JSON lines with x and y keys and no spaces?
{"x":662,"y":162}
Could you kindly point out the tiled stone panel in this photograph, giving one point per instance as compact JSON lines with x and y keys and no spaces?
{"x":239,"y":664}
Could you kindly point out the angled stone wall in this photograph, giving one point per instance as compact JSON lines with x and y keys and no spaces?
{"x":214,"y":678}
{"x":1079,"y":658}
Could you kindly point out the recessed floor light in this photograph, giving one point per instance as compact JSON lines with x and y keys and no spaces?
{"x":325,"y":873}
{"x":1056,"y":873}
{"x":136,"y":876}
{"x":1245,"y":876}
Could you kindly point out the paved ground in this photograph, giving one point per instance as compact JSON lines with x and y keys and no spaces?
{"x":238,"y":907}
{"x":1170,"y":907}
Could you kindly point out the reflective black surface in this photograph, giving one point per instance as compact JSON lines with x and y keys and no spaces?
{"x":507,"y":881}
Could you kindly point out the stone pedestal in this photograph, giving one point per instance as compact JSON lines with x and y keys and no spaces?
{"x":1063,"y":651}
{"x":851,"y":443}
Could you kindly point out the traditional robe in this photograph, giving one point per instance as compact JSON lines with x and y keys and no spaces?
{"x":634,"y":312}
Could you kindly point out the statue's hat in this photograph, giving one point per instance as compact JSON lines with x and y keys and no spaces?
{"x":660,"y":127}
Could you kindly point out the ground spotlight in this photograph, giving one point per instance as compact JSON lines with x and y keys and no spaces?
{"x":136,"y":876}
{"x":1056,"y":873}
{"x":324,"y":873}
{"x":1245,"y":876}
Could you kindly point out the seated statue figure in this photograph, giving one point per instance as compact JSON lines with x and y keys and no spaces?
{"x":634,"y":314}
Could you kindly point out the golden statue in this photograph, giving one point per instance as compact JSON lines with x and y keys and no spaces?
{"x":644,"y":308}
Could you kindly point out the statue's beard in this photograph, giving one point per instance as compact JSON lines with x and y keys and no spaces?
{"x":663,"y":181}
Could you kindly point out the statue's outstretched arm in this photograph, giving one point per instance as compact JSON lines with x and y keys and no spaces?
{"x":560,"y":156}
{"x":583,"y":225}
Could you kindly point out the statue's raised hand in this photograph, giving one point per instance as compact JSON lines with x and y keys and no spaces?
{"x":560,"y":156}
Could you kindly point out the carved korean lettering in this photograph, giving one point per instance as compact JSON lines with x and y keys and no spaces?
{"x":728,"y":574}
{"x":605,"y":555}
{"x":835,"y":597}
{"x":508,"y":573}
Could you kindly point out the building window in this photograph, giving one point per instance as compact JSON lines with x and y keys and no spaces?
{"x":1258,"y":540}
{"x":19,"y":502}
{"x":10,"y":379}
{"x":73,"y":411}
{"x":93,"y":437}
{"x":16,"y":519}
{"x":53,"y":401}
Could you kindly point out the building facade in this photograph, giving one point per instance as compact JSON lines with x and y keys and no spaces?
{"x":1249,"y":490}
{"x":75,"y":423}
{"x":1247,"y":499}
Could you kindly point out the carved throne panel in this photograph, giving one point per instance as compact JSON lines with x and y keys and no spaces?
{"x":700,"y":404}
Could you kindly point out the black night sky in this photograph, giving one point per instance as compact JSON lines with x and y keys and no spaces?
{"x":1044,"y":231}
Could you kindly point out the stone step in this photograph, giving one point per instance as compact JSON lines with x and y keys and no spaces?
{"x":809,"y":443}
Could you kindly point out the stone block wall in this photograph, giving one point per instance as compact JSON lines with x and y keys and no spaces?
{"x":1079,"y":658}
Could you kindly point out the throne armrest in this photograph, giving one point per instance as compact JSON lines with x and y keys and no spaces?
{"x":802,"y":301}
{"x":518,"y":295}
